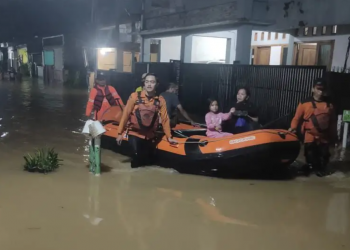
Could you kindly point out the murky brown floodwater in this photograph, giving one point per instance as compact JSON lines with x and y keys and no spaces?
{"x":146,"y":209}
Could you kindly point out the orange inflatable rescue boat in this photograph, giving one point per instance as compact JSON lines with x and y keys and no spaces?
{"x":248,"y":151}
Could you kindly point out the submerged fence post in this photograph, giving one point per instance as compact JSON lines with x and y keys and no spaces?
{"x":345,"y":135}
{"x":97,"y":154}
{"x":91,"y":155}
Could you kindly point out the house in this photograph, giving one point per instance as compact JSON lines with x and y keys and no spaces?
{"x":201,"y":31}
{"x":61,"y":53}
{"x":308,"y":46}
{"x":188,"y":20}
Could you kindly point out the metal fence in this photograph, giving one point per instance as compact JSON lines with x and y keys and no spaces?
{"x":275,"y":90}
{"x":339,"y":90}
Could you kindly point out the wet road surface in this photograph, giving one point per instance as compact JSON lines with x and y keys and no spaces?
{"x":150,"y":208}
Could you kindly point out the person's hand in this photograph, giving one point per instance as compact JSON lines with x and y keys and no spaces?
{"x":172,"y":141}
{"x":119,"y":139}
{"x":292,"y":130}
{"x":232,"y":110}
{"x":194,"y":124}
{"x":218,"y":128}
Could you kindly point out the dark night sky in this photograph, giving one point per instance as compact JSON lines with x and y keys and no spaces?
{"x":22,"y":19}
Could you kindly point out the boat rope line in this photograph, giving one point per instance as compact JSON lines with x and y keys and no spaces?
{"x":221,"y":139}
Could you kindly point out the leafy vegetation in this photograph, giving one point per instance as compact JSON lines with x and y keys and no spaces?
{"x":43,"y":161}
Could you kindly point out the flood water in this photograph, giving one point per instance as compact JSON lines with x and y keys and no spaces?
{"x":145,"y":209}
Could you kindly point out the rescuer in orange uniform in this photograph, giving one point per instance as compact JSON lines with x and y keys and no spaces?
{"x":140,"y":121}
{"x":102,"y":96}
{"x":318,"y":126}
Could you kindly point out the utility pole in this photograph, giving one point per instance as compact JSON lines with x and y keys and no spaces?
{"x":119,"y":47}
{"x":92,"y":11}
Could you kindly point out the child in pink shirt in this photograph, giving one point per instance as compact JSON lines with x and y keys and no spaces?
{"x":214,"y":120}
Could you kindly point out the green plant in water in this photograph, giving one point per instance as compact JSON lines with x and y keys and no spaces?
{"x":43,"y":161}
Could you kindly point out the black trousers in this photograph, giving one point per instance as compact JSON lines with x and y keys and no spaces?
{"x":142,"y":151}
{"x":317,"y":155}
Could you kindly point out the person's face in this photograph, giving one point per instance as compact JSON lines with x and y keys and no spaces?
{"x":242,"y":95}
{"x":317,"y":92}
{"x":214,"y":107}
{"x":101,"y":82}
{"x":150,"y":83}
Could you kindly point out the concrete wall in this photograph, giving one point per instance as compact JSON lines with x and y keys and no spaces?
{"x":311,"y":12}
{"x":170,"y":48}
{"x":167,"y":14}
{"x":272,"y":41}
{"x":208,"y":49}
{"x":340,"y":46}
{"x":59,"y":65}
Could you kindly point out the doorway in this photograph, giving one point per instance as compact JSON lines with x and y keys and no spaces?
{"x":307,"y":54}
{"x":262,"y":56}
{"x":314,"y":54}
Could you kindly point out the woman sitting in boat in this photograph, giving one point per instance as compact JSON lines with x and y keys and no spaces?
{"x":139,"y":122}
{"x":214,"y":120}
{"x":245,"y":117}
{"x":102,"y":97}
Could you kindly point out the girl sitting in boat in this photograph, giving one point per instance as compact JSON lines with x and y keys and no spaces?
{"x":245,"y":117}
{"x":214,"y":120}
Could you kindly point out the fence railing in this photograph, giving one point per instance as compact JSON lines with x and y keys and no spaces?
{"x":275,"y":90}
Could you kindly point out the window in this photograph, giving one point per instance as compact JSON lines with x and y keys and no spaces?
{"x":269,"y":36}
{"x":324,"y":30}
{"x":306,"y":31}
{"x":256,"y":36}
{"x":262,"y":36}
{"x":314,"y":31}
{"x":334,"y":29}
{"x":284,"y":36}
{"x":276,"y":36}
{"x":125,"y":28}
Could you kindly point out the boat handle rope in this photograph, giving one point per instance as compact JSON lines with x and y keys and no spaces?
{"x":204,"y":143}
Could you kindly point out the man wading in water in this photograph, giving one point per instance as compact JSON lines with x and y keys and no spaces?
{"x":318,"y":127}
{"x":140,"y":117}
{"x":102,"y":97}
{"x":173,"y":104}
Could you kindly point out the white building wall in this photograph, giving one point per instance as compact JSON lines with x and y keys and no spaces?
{"x":58,"y":51}
{"x":208,"y":49}
{"x":170,"y":48}
{"x":276,"y":44}
{"x":275,"y":55}
{"x":272,"y":41}
{"x":340,"y":46}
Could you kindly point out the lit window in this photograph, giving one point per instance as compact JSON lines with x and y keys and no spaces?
{"x":314,"y":31}
{"x":284,"y":36}
{"x":334,"y":29}
{"x":256,"y":36}
{"x":324,"y":30}
{"x":306,"y":31}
